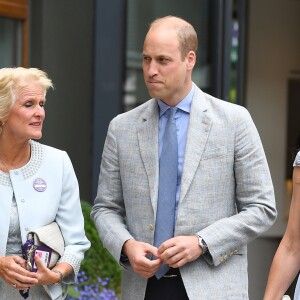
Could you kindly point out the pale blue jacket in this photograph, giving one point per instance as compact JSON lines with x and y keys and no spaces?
{"x":55,"y":200}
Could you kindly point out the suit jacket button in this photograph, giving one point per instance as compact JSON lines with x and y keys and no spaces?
{"x":151,"y":227}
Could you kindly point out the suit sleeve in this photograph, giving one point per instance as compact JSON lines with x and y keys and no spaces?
{"x":254,"y":196}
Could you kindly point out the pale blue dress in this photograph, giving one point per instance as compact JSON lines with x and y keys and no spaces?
{"x":297,"y":290}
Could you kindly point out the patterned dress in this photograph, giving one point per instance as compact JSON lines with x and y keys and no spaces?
{"x":14,"y":242}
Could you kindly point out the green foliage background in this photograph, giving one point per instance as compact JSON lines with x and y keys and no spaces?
{"x":97,"y":260}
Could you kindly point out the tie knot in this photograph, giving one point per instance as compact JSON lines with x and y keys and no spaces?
{"x":172,"y":112}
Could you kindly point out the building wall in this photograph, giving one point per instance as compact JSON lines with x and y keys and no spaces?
{"x":272,"y":57}
{"x":61,"y":43}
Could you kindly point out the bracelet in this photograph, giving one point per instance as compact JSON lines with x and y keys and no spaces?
{"x":60,"y":274}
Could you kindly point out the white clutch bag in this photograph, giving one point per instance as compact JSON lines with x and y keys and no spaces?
{"x":47,"y":242}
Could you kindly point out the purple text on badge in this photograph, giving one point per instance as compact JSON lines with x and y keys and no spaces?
{"x":39,"y":184}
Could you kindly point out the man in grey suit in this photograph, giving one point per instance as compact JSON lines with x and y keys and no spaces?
{"x":224,"y":192}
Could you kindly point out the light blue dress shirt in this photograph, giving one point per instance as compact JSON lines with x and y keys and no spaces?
{"x":182,"y":117}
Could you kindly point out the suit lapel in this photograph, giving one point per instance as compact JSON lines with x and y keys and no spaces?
{"x":148,"y":143}
{"x":199,"y":127}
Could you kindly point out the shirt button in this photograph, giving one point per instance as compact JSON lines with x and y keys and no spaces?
{"x":27,"y":228}
{"x":151,"y":227}
{"x":23,"y":200}
{"x":16,"y":172}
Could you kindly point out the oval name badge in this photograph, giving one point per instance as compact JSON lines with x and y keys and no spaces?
{"x":39,"y":184}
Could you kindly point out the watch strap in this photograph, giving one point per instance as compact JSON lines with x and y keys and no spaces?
{"x":202,"y":244}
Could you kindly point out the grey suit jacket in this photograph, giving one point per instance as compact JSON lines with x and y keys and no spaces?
{"x":226,"y":193}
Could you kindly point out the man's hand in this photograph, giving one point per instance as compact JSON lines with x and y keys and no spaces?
{"x":179,"y":250}
{"x":137,"y":252}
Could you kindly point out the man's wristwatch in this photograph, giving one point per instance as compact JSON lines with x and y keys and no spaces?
{"x":202,"y":244}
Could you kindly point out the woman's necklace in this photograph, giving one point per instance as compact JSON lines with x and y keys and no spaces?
{"x":25,"y":160}
{"x":4,"y":164}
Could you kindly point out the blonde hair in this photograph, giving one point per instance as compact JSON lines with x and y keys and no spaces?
{"x":11,"y":80}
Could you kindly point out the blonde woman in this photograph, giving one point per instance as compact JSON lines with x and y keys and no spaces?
{"x":37,"y":186}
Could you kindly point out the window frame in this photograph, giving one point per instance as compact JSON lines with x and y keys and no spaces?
{"x":18,"y":10}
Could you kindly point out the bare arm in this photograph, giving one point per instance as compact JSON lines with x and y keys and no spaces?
{"x":286,"y":262}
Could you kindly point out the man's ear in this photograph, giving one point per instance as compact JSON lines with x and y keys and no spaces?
{"x":191,"y":60}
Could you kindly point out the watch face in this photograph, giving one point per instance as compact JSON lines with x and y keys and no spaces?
{"x":203,"y":245}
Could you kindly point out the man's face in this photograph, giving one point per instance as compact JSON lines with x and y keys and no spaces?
{"x":167,"y":77}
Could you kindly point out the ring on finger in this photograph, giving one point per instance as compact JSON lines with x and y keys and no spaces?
{"x":14,"y":285}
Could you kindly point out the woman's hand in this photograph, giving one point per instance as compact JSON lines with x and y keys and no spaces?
{"x":13,"y":272}
{"x":45,"y":275}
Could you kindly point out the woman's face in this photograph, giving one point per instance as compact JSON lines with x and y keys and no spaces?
{"x":25,"y":120}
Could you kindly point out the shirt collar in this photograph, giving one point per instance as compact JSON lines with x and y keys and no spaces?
{"x":184,"y":104}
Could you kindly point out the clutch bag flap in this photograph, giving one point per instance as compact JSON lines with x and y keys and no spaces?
{"x":50,"y":236}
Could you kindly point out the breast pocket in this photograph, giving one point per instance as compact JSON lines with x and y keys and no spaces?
{"x":214,"y":150}
{"x":218,"y":143}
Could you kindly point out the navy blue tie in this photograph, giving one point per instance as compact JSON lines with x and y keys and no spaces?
{"x":168,"y":168}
